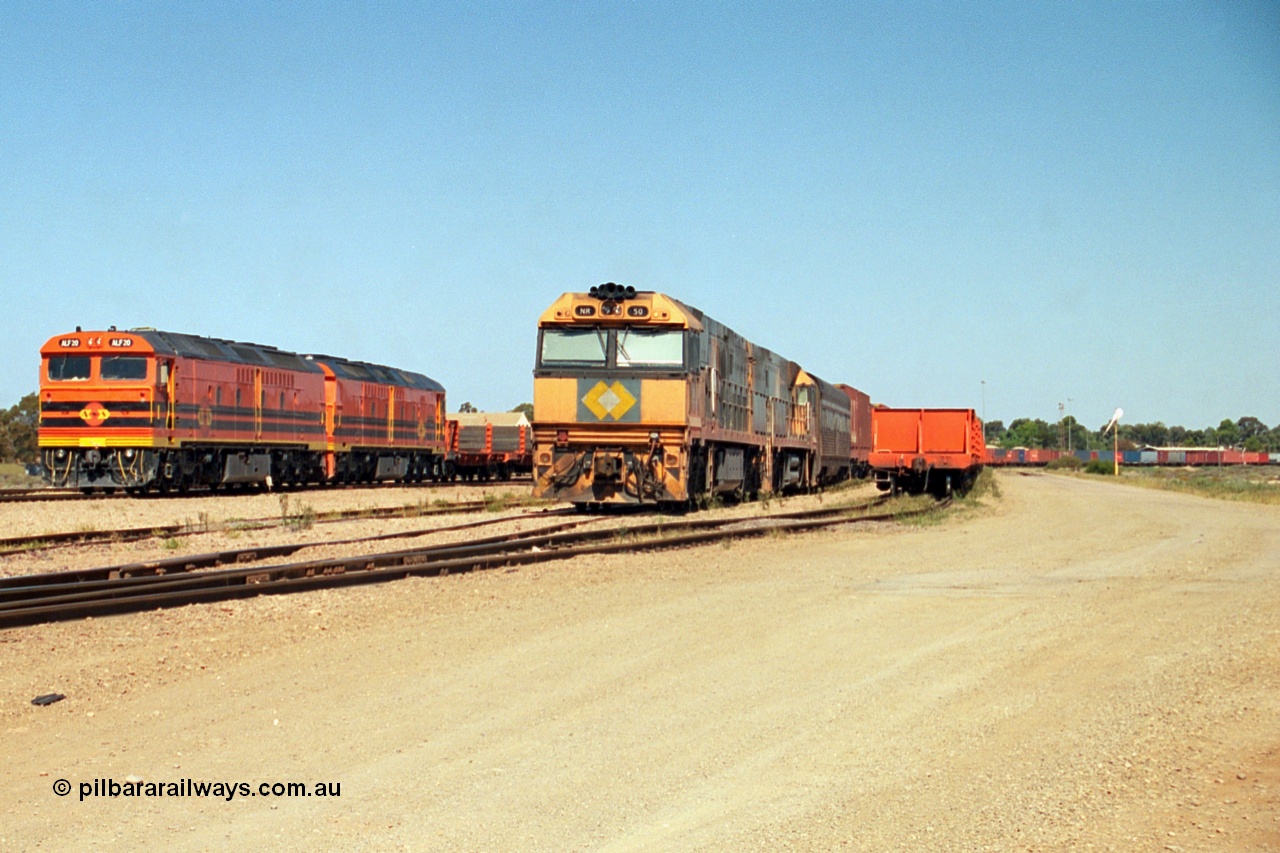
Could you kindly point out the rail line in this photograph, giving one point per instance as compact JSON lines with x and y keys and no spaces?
{"x":66,"y":539}
{"x":42,"y":493}
{"x":32,"y":599}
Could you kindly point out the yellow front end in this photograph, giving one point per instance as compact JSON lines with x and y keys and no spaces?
{"x":610,"y":428}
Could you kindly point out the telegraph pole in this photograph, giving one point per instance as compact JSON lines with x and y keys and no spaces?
{"x":1069,"y":426}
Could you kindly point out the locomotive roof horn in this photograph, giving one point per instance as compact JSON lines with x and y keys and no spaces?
{"x":610,"y":290}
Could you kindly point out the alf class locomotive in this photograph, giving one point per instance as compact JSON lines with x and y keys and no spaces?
{"x":146,"y":409}
{"x":641,"y":399}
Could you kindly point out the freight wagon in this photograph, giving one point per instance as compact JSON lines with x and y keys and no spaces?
{"x":926,"y":450}
{"x":490,"y":445}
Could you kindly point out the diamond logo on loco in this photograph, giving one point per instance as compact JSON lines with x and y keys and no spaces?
{"x":94,"y":414}
{"x":613,"y":400}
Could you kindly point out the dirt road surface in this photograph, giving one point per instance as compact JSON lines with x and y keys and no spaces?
{"x":1079,"y":665}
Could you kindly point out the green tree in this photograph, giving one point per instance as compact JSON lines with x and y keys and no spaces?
{"x":1228,"y":433}
{"x":1250,"y":427}
{"x":527,"y":408}
{"x":1024,"y":432}
{"x":1152,"y":435}
{"x":19,"y":428}
{"x":992,"y":432}
{"x":1199,"y":438}
{"x":467,"y":407}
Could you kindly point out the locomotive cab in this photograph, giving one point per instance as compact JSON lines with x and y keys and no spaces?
{"x":99,"y":393}
{"x":611,"y":399}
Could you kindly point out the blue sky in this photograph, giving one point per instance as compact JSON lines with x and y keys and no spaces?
{"x":1066,"y":200}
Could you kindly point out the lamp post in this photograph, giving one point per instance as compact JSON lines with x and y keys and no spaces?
{"x":1069,"y":425}
{"x":1114,"y":425}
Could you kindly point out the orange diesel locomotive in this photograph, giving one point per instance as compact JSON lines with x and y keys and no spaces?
{"x":146,"y":409}
{"x":639,"y":398}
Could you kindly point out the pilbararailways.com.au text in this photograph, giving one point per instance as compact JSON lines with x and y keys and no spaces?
{"x":190,"y":788}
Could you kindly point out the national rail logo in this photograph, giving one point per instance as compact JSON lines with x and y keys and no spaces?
{"x":612,"y":400}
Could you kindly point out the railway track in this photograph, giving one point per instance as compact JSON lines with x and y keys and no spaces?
{"x":40,"y":494}
{"x":66,"y":539}
{"x":32,"y":599}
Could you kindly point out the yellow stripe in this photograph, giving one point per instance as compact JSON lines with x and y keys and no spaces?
{"x":114,"y":441}
{"x":98,"y":441}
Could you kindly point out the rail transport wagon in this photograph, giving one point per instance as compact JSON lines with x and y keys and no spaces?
{"x":925,"y":450}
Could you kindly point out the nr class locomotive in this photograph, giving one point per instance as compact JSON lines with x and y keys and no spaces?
{"x":144,"y":409}
{"x":641,"y":399}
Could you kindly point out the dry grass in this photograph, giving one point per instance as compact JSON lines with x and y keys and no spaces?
{"x":1251,"y":483}
{"x":13,"y":475}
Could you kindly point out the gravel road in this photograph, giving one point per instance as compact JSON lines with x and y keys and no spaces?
{"x":1074,"y":665}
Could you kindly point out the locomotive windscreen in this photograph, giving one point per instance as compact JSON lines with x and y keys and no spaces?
{"x":116,"y":367}
{"x":574,"y":346}
{"x":650,"y":348}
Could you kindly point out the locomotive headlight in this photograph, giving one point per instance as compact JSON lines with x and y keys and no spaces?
{"x":61,"y":453}
{"x":653,"y":437}
{"x":128,"y":453}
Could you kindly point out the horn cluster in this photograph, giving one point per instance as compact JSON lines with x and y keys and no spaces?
{"x":609,"y":290}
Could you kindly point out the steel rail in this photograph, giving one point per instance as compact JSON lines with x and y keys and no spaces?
{"x":58,"y":602}
{"x":64,"y":493}
{"x":49,"y":541}
{"x":253,"y":554}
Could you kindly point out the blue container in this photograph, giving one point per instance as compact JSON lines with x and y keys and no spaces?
{"x":1130,"y":457}
{"x":1147,"y":457}
{"x":1083,"y":455}
{"x":1106,"y":456}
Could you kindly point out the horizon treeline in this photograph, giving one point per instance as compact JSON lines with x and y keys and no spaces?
{"x":20,"y":423}
{"x":1247,"y":433}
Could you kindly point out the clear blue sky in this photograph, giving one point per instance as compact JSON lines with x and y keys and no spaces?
{"x":1067,"y":200}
